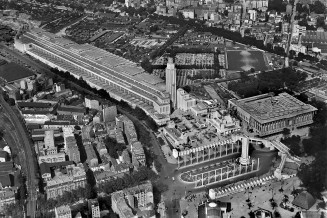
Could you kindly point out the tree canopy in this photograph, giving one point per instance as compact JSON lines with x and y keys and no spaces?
{"x":314,"y":176}
{"x":318,"y":7}
{"x":265,"y":82}
{"x":293,"y":143}
{"x":113,"y":147}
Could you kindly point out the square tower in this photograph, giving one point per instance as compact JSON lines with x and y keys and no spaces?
{"x":171,"y":80}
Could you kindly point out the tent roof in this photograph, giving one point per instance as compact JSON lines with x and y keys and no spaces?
{"x":304,"y":200}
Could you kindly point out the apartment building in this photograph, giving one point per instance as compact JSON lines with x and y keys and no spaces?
{"x":60,"y":183}
{"x":138,"y":154}
{"x":94,"y":208}
{"x":92,"y":158}
{"x":133,"y":202}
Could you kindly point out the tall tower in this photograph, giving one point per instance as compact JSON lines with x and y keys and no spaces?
{"x":171,"y":81}
{"x":245,"y":160}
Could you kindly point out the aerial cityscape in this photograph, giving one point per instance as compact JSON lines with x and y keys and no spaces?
{"x":163,"y":108}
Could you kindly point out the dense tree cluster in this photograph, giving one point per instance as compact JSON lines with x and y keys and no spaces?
{"x":1,"y":134}
{"x":293,"y":143}
{"x":91,"y":191}
{"x":146,"y":65}
{"x":272,"y":81}
{"x":303,"y":57}
{"x":21,"y":194}
{"x":173,"y":50}
{"x":314,"y":175}
{"x":113,"y":147}
{"x":302,"y":8}
{"x":128,"y":180}
{"x":14,"y":210}
{"x":6,"y":34}
{"x":318,"y":7}
{"x":141,"y":11}
{"x":46,"y":205}
{"x":80,"y":85}
{"x":81,"y":147}
{"x":304,"y":22}
{"x":277,"y":5}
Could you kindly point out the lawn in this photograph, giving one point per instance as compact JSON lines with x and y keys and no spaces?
{"x":245,"y":60}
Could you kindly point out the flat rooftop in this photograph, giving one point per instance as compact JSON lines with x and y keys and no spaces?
{"x":267,"y":108}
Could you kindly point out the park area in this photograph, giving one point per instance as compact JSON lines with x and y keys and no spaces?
{"x":244,"y":60}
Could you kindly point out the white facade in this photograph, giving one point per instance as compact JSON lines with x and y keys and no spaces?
{"x":36,"y":118}
{"x":188,"y":14}
{"x":92,"y":103}
{"x":171,"y":80}
{"x":59,"y":87}
{"x":253,"y":15}
{"x":63,"y":212}
{"x":95,"y":210}
{"x":132,"y":3}
{"x":285,"y":27}
{"x":31,"y":85}
{"x":297,"y":30}
{"x":224,"y":123}
{"x":256,"y":4}
{"x":52,"y":158}
{"x":298,"y":48}
{"x":184,"y":101}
